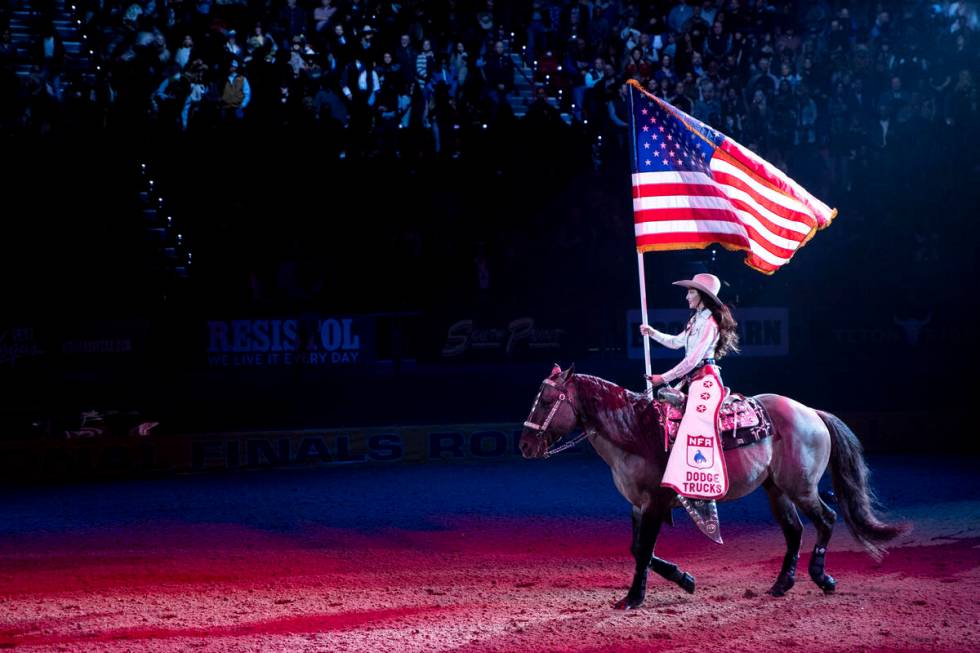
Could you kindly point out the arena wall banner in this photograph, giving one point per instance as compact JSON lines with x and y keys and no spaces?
{"x":49,"y":457}
{"x":411,"y":444}
{"x":72,"y":344}
{"x":505,"y":340}
{"x":308,"y":340}
{"x":886,"y":329}
{"x":763,"y":331}
{"x":63,"y":459}
{"x":19,"y":345}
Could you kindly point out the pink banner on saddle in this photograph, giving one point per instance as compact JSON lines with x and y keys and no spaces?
{"x":696,"y":467}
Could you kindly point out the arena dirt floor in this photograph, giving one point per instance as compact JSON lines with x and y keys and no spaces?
{"x":506,"y":556}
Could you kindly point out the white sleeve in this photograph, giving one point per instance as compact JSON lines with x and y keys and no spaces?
{"x":695,"y":352}
{"x":667,"y":340}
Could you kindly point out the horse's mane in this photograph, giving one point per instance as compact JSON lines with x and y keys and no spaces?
{"x":630,"y":419}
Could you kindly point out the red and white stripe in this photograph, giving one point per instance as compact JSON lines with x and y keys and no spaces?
{"x":744,"y":204}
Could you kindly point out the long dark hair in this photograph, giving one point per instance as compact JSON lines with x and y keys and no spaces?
{"x":727,"y":326}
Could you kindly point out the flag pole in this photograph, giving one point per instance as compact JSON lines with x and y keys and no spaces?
{"x":639,"y":256}
{"x":643,"y":316}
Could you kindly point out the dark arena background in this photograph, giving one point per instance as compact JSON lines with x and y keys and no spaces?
{"x":265,"y":353}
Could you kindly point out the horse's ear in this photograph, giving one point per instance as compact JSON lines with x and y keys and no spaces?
{"x":567,"y":374}
{"x":555,"y":371}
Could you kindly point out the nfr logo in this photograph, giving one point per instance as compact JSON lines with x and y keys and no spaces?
{"x":700,"y":451}
{"x":699,"y":441}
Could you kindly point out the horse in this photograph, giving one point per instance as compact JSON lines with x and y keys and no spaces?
{"x":624,"y":429}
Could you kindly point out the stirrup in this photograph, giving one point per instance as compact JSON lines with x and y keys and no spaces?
{"x":672,"y":396}
{"x":704,"y":512}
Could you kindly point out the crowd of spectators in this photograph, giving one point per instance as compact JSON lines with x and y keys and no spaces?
{"x":845,"y":96}
{"x":772,"y":73}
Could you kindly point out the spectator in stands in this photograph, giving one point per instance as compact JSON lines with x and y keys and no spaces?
{"x":759,"y":119}
{"x":709,"y":11}
{"x":649,"y":46}
{"x":697,"y":27}
{"x":366,"y":44}
{"x":616,"y":122}
{"x":50,"y":49}
{"x":499,"y":74}
{"x":425,"y":62}
{"x":459,"y":66}
{"x":184,"y":52}
{"x":540,"y":113}
{"x":538,"y":32}
{"x":882,"y":128}
{"x":630,"y":35}
{"x":638,"y":67}
{"x":666,"y":71}
{"x":680,"y":99}
{"x":168,"y":99}
{"x":196,"y":76}
{"x":441,"y":75}
{"x":718,"y":42}
{"x":259,"y":45}
{"x":762,"y":80}
{"x":328,"y":106}
{"x":679,"y":16}
{"x":232,"y":49}
{"x":297,"y":57}
{"x":963,"y":103}
{"x":322,"y":16}
{"x":894,"y":97}
{"x":581,"y":92}
{"x":340,"y":46}
{"x":405,"y":56}
{"x":236,"y":94}
{"x":389,"y":73}
{"x":292,"y":20}
{"x":708,"y":109}
{"x":787,"y":76}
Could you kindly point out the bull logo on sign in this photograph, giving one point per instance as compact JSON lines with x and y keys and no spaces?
{"x":700,"y":451}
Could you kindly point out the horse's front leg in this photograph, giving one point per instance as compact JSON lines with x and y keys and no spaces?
{"x":673,"y":573}
{"x":646,"y":527}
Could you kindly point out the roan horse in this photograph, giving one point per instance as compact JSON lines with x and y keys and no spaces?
{"x":624,"y":429}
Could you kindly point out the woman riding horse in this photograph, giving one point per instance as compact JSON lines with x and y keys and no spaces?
{"x":709,"y":335}
{"x":626,"y":431}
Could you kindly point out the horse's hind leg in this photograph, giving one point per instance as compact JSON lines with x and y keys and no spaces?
{"x":823,"y":520}
{"x":789,"y":521}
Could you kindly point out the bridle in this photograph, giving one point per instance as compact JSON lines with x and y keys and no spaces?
{"x":541,"y":429}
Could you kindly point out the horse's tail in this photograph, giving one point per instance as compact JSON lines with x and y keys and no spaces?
{"x":854,"y":495}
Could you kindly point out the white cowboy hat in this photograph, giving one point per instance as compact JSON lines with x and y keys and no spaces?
{"x":708,"y":284}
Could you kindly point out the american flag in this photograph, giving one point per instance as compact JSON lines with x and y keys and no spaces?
{"x":693,"y":186}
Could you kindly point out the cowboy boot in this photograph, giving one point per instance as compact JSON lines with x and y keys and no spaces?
{"x":704,"y":513}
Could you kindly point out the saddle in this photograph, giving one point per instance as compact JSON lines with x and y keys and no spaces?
{"x":741,"y":420}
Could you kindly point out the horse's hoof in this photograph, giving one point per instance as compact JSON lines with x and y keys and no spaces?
{"x":827,"y":584}
{"x":781,"y":586}
{"x":628,"y":603}
{"x":686,"y":583}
